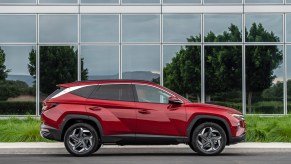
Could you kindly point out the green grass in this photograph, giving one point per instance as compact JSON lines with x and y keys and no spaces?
{"x":268,"y":129}
{"x":259,"y":129}
{"x":20,"y":130}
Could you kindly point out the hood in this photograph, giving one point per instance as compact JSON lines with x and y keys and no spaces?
{"x":227,"y":109}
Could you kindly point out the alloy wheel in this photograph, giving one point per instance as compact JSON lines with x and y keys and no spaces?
{"x":209,"y":140}
{"x":81,"y":140}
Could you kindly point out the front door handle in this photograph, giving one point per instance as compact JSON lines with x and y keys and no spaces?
{"x":144,"y":112}
{"x":95,"y":108}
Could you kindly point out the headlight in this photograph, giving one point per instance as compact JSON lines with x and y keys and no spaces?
{"x":239,"y":116}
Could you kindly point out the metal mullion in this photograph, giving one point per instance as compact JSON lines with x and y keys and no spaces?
{"x":223,"y":44}
{"x":179,"y":43}
{"x":79,"y":71}
{"x":285,"y":87}
{"x":37,"y":79}
{"x":106,"y":44}
{"x":141,"y":43}
{"x":262,"y":44}
{"x":202,"y":61}
{"x":120,"y":44}
{"x":161,"y":46}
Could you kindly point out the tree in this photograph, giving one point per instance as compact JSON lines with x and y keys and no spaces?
{"x":223,"y":64}
{"x":10,"y":88}
{"x":3,"y":71}
{"x":183,"y":74}
{"x":261,"y":61}
{"x":58,"y":64}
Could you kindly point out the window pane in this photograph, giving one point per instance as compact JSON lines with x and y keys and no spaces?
{"x":223,"y":28}
{"x":182,"y":70}
{"x":141,"y":28}
{"x":99,"y":1}
{"x":58,"y":28}
{"x":84,"y":91}
{"x":264,"y":1}
{"x":141,"y":62}
{"x":223,"y":76}
{"x":101,"y":62}
{"x":58,"y":1}
{"x":140,"y":1}
{"x":256,"y":24}
{"x":288,"y":29}
{"x":151,"y":94}
{"x":17,"y":96}
{"x":288,"y":78}
{"x":181,"y":1}
{"x":222,"y":1}
{"x":264,"y":79}
{"x":58,"y":65}
{"x":18,"y":28}
{"x":18,"y":1}
{"x":288,"y":1}
{"x":119,"y":92}
{"x":176,"y":31}
{"x":100,"y":28}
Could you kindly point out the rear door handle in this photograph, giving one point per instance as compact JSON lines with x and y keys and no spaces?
{"x":95,"y":108}
{"x":144,"y":112}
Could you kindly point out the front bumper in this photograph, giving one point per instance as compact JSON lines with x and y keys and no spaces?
{"x":238,"y":139}
{"x":50,"y":133}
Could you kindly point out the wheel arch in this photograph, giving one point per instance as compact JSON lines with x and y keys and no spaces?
{"x":71,"y":119}
{"x":199,"y":119}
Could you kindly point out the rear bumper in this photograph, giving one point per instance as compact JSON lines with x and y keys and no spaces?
{"x":50,"y":133}
{"x":238,"y":139}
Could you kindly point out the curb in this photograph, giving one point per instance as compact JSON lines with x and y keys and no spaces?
{"x":58,"y":148}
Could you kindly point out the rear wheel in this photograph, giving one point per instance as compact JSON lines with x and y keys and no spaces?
{"x":81,"y":139}
{"x":208,"y":139}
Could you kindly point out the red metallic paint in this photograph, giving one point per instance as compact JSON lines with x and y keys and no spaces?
{"x":121,"y":117}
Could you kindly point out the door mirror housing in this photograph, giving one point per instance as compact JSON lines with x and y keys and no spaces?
{"x":174,"y":100}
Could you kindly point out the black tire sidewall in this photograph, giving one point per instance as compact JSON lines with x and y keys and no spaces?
{"x":95,"y":140}
{"x":195,"y":137}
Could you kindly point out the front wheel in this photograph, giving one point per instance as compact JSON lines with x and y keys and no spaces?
{"x":81,"y":139}
{"x":208,"y":139}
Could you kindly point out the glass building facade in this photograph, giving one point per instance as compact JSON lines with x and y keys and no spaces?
{"x":235,"y":53}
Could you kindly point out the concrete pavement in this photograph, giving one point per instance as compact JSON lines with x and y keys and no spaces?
{"x":58,"y":148}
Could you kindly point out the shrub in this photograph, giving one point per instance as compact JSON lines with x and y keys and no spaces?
{"x":17,"y":108}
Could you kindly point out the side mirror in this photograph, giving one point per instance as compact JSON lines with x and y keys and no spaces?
{"x":174,"y":100}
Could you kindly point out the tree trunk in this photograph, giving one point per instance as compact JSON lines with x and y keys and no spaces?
{"x":198,"y":98}
{"x":250,"y":102}
{"x":208,"y":98}
{"x":187,"y":96}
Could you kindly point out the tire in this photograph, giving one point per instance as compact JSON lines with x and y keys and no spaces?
{"x":208,"y":139}
{"x":98,"y":147}
{"x":191,"y":146}
{"x":81,"y":139}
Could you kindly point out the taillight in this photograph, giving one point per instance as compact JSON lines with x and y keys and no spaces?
{"x":47,"y":106}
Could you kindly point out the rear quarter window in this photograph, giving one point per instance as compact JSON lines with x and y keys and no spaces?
{"x":55,"y":93}
{"x":84,"y":91}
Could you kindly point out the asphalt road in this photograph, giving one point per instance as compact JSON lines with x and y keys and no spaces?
{"x":156,"y":156}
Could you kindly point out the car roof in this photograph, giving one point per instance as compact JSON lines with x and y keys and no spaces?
{"x":110,"y":81}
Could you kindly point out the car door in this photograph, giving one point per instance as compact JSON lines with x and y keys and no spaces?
{"x":155,"y":116}
{"x":113,"y":105}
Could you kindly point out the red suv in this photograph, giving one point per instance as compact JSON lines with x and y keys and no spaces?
{"x":85,"y":115}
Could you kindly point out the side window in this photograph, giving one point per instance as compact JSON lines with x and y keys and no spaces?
{"x":119,"y":92}
{"x":84,"y":91}
{"x":151,"y":94}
